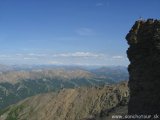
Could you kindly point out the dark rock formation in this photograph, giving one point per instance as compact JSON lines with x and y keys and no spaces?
{"x":144,"y":68}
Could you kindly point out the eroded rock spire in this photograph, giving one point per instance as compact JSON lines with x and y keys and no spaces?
{"x":144,"y":68}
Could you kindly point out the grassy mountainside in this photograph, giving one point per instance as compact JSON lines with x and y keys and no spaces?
{"x":69,"y":104}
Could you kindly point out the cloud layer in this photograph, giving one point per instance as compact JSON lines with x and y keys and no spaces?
{"x":65,"y":58}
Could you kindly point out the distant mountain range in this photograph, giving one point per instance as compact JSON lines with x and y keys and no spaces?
{"x":72,"y":104}
{"x":17,"y":84}
{"x":17,"y":73}
{"x":4,"y":68}
{"x":115,"y":73}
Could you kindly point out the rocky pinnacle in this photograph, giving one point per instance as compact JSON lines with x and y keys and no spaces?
{"x":144,"y":68}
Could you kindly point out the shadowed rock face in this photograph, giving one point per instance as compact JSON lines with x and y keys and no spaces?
{"x":144,"y":68}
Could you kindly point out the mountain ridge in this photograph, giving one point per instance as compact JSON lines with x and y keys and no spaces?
{"x":69,"y":104}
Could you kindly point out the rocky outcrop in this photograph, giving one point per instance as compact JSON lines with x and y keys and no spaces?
{"x":144,"y":68}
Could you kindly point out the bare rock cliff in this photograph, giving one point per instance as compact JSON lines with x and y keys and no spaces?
{"x":144,"y":68}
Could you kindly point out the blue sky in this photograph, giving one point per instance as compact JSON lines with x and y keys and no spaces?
{"x":69,"y":32}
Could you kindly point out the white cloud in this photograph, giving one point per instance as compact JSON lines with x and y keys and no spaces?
{"x":30,"y":58}
{"x":19,"y":54}
{"x":84,"y":54}
{"x":79,"y":54}
{"x":70,"y":58}
{"x":37,"y":55}
{"x":55,"y":63}
{"x":5,"y":56}
{"x":84,"y":31}
{"x":117,"y":57}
